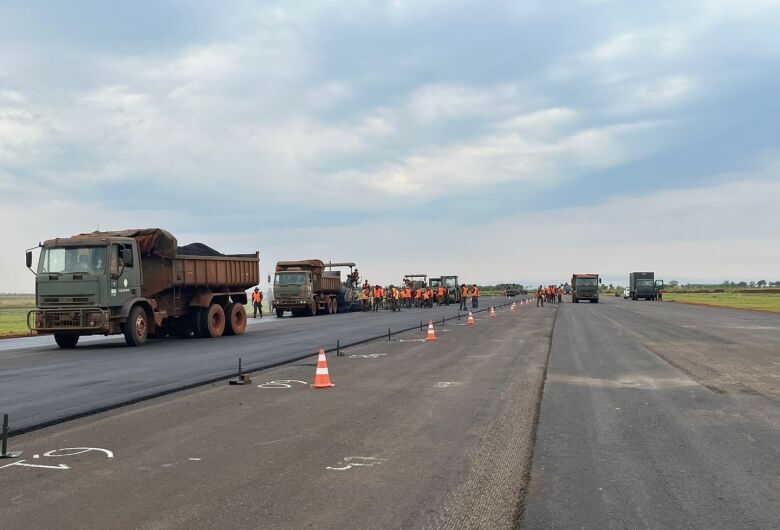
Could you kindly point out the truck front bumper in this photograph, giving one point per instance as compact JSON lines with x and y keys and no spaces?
{"x":87,"y":319}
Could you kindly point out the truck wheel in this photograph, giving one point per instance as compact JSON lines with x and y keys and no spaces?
{"x":66,"y":341}
{"x":279,"y":313}
{"x":213,"y":321}
{"x":313,"y":308}
{"x":136,"y":328}
{"x":235,"y":319}
{"x":335,"y":306}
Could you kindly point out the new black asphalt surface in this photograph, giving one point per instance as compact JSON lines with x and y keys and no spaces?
{"x":658,"y":415}
{"x":43,"y":383}
{"x":414,"y":434}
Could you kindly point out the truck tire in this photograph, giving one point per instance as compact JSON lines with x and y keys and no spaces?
{"x":313,"y":308}
{"x":136,"y":329}
{"x":279,"y":313}
{"x":235,"y":319}
{"x":66,"y":341}
{"x":197,"y":319}
{"x":336,"y":306}
{"x":213,"y":321}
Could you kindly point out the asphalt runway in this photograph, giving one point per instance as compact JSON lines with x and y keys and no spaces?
{"x":414,"y":434}
{"x":658,"y":415}
{"x":41,"y":383}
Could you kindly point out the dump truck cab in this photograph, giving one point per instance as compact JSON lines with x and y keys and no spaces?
{"x":585,"y":286}
{"x":83,"y":283}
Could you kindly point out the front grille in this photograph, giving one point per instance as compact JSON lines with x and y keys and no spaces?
{"x":73,"y":300}
{"x":76,"y":318}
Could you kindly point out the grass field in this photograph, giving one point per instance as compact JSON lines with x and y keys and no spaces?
{"x":13,"y":314}
{"x":757,"y":301}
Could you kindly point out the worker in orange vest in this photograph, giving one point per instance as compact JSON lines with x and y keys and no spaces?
{"x":257,"y":302}
{"x":364,"y":295}
{"x":377,"y":297}
{"x":475,"y":296}
{"x":394,"y":298}
{"x":464,"y":297}
{"x":418,"y":297}
{"x":425,"y":297}
{"x":540,"y":296}
{"x":440,"y":295}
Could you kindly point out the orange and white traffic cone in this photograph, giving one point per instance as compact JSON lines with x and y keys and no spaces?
{"x":322,"y":378}
{"x":492,"y":312}
{"x":431,"y":335}
{"x":470,"y":320}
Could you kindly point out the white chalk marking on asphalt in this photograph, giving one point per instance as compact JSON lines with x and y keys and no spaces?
{"x":362,"y":461}
{"x":281,"y":383}
{"x":169,"y":465}
{"x":194,"y":459}
{"x":367,"y":356}
{"x":445,"y":384}
{"x":480,"y":356}
{"x":78,"y":451}
{"x":498,"y":340}
{"x":749,"y":437}
{"x":21,"y":463}
{"x":36,"y":456}
{"x":410,"y":340}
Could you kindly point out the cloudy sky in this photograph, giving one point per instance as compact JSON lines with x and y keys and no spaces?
{"x":501,"y":141}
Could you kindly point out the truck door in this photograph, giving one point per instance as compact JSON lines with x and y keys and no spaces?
{"x":125,"y":281}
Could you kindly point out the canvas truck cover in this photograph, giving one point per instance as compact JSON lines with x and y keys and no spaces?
{"x":314,"y":265}
{"x":150,"y":240}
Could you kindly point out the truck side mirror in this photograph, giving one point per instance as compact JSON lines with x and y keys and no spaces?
{"x":28,"y":257}
{"x":127,"y":257}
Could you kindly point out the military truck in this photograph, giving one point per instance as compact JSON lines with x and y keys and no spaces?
{"x":306,"y":288}
{"x":585,"y":287}
{"x":139,"y":283}
{"x":643,"y":285}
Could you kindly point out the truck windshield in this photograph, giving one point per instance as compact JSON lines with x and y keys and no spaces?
{"x":645,"y":283}
{"x":61,"y":260}
{"x":449,"y":282}
{"x":587,"y":282}
{"x":290,"y":278}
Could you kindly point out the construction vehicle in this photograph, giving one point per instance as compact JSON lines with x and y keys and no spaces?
{"x":451,"y":289}
{"x":585,"y":287}
{"x":306,"y":288}
{"x":139,"y":283}
{"x":643,"y":285}
{"x":412,"y":282}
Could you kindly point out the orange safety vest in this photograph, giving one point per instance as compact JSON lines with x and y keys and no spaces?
{"x":394,"y":293}
{"x":476,"y":292}
{"x":418,"y":294}
{"x":256,"y":297}
{"x":465,"y":291}
{"x":425,"y":295}
{"x":441,"y":291}
{"x":364,"y":296}
{"x":377,"y":292}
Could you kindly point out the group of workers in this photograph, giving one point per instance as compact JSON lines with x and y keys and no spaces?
{"x":550,"y":294}
{"x":376,"y":297}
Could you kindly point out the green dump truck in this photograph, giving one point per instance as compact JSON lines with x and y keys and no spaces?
{"x":139,"y":283}
{"x":585,"y":286}
{"x":306,"y":288}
